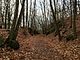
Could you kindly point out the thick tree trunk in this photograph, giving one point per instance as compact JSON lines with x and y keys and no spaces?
{"x":11,"y":33}
{"x":11,"y":40}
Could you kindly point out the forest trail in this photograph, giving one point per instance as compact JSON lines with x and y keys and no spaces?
{"x":42,"y":47}
{"x":49,"y":48}
{"x":21,"y":19}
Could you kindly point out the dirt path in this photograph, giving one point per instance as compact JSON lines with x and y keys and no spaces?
{"x":49,"y":48}
{"x":42,"y":47}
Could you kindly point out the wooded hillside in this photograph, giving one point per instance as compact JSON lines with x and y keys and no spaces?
{"x":39,"y":29}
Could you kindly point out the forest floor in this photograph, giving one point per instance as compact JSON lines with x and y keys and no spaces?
{"x":41,"y":47}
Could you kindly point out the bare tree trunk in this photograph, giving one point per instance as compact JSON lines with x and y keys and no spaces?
{"x":19,"y":19}
{"x":1,"y":14}
{"x":26,"y":13}
{"x":6,"y":13}
{"x":74,"y":18}
{"x":30,"y":12}
{"x":11,"y":40}
{"x":11,"y":33}
{"x":9,"y":15}
{"x":24,"y":16}
{"x":33,"y":24}
{"x":71,"y":12}
{"x":54,"y":17}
